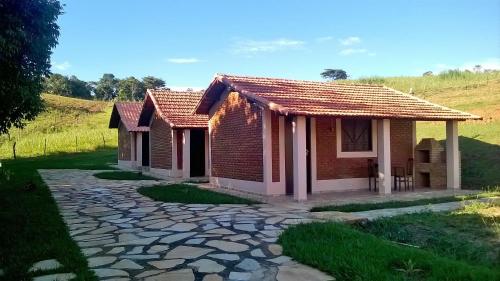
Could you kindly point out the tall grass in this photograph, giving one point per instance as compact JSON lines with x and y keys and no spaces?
{"x":67,"y":125}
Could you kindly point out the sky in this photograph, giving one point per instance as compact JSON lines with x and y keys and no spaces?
{"x":187,"y":42}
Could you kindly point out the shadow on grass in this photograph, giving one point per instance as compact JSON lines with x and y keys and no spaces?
{"x":480,"y":163}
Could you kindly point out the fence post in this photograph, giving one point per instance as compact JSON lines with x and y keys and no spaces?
{"x":76,"y":143}
{"x":45,"y":148}
{"x":14,"y":150}
{"x":103,"y":140}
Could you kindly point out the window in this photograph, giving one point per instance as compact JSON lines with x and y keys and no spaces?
{"x":356,"y":138}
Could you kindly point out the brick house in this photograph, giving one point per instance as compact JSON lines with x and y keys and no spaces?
{"x":277,"y":136}
{"x":178,"y":138}
{"x":133,"y":141}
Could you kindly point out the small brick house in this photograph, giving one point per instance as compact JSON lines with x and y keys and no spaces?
{"x":178,"y":138}
{"x":277,"y":136}
{"x":133,"y":141}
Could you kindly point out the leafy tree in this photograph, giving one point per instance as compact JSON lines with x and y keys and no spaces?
{"x":334,"y":74}
{"x":107,"y":87}
{"x":28,"y":32}
{"x":131,"y":89}
{"x":79,"y":88}
{"x":57,"y":84}
{"x":151,"y":82}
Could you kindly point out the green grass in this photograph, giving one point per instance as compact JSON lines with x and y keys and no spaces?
{"x":477,"y":93}
{"x":31,"y":227}
{"x":184,"y":193}
{"x":471,"y":235}
{"x":67,"y":125}
{"x":349,"y":254}
{"x":359,"y":207}
{"x":123,"y":175}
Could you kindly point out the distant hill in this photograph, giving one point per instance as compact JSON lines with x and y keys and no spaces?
{"x":67,"y":125}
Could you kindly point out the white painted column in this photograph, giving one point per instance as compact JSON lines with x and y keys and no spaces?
{"x":452,"y":155}
{"x":267,"y":153}
{"x":138,"y":148}
{"x":186,"y":159}
{"x":175,"y":170}
{"x":299,"y":159}
{"x":207,"y":154}
{"x":282,"y":183}
{"x":209,"y":149}
{"x":384,"y":155}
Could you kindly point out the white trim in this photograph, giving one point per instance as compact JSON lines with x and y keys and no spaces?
{"x":340,"y":184}
{"x":209,"y":149}
{"x":384,"y":156}
{"x":175,"y":171}
{"x":355,"y":154}
{"x":247,"y":186}
{"x":186,"y":154}
{"x":452,"y":156}
{"x":207,"y":154}
{"x":138,"y":148}
{"x":126,"y":164}
{"x":299,"y":159}
{"x":282,"y":154}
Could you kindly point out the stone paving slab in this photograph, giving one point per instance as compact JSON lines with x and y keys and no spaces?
{"x":127,"y":236}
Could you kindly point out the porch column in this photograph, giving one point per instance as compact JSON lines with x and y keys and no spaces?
{"x":207,"y":154}
{"x":299,"y":159}
{"x":175,"y":170}
{"x":138,"y":149}
{"x":186,"y":160}
{"x":452,"y":155}
{"x":132,"y":150}
{"x":384,"y":155}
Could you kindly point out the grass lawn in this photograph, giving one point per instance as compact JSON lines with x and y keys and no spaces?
{"x":359,"y":207}
{"x":122,"y":175}
{"x":462,"y":245}
{"x":184,"y":193}
{"x":31,"y":227}
{"x":471,"y":235}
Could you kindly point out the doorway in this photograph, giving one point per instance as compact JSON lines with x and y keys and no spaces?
{"x":145,"y":149}
{"x":197,"y":153}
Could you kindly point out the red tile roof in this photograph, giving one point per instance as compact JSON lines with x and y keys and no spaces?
{"x":176,"y":107}
{"x":328,"y":99}
{"x":128,"y":113}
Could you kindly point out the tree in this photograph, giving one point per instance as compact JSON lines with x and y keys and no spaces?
{"x":131,"y":89}
{"x":57,"y":84}
{"x":151,"y":82}
{"x":428,"y":73}
{"x":107,"y":87}
{"x":28,"y":33}
{"x":79,"y":88}
{"x":334,"y":74}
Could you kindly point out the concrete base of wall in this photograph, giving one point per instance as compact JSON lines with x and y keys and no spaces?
{"x":123,"y":164}
{"x":246,"y":186}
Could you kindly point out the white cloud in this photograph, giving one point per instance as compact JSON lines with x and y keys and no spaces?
{"x":324,"y":39}
{"x":183,"y":60}
{"x":349,"y":41}
{"x":351,"y":51}
{"x":254,"y":46}
{"x":61,"y":66}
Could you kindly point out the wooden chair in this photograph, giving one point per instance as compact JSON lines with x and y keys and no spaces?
{"x":409,"y":174}
{"x":372,"y":174}
{"x":399,"y":175}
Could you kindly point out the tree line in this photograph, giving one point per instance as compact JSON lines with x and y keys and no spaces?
{"x":108,"y":87}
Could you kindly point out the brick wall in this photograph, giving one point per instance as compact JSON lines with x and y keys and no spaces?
{"x":331,"y":167}
{"x":236,"y":140}
{"x":275,"y":139}
{"x":123,"y":143}
{"x":161,"y":143}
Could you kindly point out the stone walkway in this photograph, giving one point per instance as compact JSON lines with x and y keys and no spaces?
{"x":127,"y":236}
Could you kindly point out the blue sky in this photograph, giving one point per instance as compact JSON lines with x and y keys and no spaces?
{"x":187,"y":42}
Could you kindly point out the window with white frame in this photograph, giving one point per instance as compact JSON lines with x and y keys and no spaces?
{"x":356,"y":138}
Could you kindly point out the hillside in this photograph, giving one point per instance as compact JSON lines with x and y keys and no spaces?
{"x":67,"y":125}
